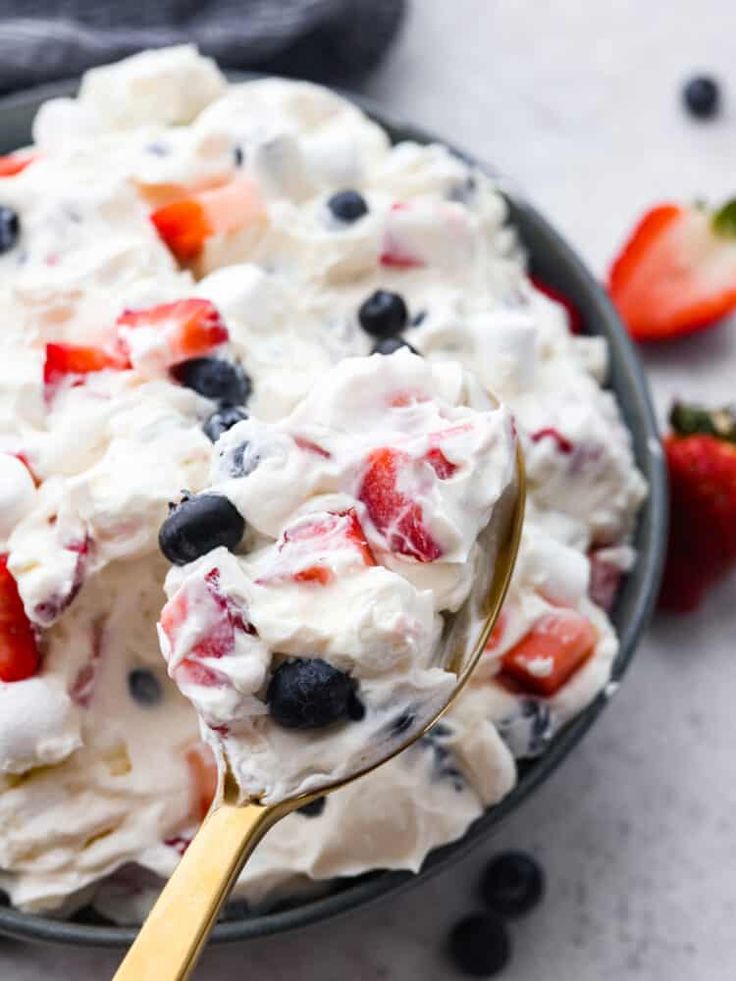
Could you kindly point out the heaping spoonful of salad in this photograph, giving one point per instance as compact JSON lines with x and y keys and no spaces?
{"x":330,"y":595}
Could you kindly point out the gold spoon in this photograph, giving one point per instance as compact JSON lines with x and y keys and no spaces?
{"x":176,"y":930}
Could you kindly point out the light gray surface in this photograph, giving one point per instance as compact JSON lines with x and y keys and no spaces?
{"x":578,"y":102}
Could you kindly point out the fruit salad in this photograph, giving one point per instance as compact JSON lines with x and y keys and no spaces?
{"x":309,"y":581}
{"x":207,"y":289}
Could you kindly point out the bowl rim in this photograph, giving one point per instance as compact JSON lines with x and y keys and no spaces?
{"x":650,"y":540}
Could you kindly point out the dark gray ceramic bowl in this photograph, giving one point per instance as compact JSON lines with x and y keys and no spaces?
{"x":555,"y":263}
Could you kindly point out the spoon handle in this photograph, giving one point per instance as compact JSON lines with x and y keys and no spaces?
{"x":170,"y":941}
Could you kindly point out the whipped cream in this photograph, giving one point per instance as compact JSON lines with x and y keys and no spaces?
{"x":103,"y":775}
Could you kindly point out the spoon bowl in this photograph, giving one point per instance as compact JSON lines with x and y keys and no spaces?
{"x":176,"y":930}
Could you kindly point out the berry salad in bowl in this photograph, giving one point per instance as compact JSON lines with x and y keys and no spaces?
{"x":247,"y":446}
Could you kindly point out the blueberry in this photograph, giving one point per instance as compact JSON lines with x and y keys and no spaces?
{"x":383,"y":314}
{"x":223,"y":419}
{"x":198,"y":525}
{"x":347,"y":205}
{"x":144,"y":687}
{"x":702,"y":96}
{"x":387,"y":345}
{"x":9,"y":228}
{"x":512,"y":884}
{"x":314,"y":808}
{"x":480,"y":945}
{"x":309,"y":693}
{"x":222,"y":381}
{"x":238,"y":156}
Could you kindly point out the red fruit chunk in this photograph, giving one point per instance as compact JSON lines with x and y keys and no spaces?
{"x":556,"y":646}
{"x":440,"y":464}
{"x":677,"y":272}
{"x":14,"y":163}
{"x":64,"y":360}
{"x":563,"y":443}
{"x":574,"y":317}
{"x":310,"y":447}
{"x":188,"y":328}
{"x":315,"y":537}
{"x":186,"y":224}
{"x":393,"y":513}
{"x":203,"y":774}
{"x":19,"y":655}
{"x":702,"y":539}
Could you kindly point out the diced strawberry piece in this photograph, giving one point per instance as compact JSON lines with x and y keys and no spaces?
{"x":556,"y":646}
{"x":178,"y":331}
{"x":564,"y":445}
{"x":14,"y":163}
{"x":306,"y":546}
{"x":186,"y":224}
{"x":393,"y":513}
{"x":574,"y":316}
{"x":440,"y":464}
{"x":19,"y":655}
{"x":203,"y":773}
{"x":677,"y":272}
{"x":64,"y":360}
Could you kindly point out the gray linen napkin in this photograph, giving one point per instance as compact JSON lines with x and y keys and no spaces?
{"x":41,"y":40}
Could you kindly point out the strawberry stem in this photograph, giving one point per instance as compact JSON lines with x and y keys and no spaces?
{"x":687,"y":420}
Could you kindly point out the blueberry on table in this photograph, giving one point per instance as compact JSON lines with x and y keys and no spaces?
{"x":309,"y":693}
{"x":9,"y":228}
{"x":480,"y":945}
{"x":223,"y":419}
{"x":144,"y":687}
{"x":383,"y":314}
{"x":701,"y":96}
{"x":216,"y":379}
{"x":198,"y":525}
{"x":387,"y":345}
{"x":512,"y":884}
{"x":347,"y":205}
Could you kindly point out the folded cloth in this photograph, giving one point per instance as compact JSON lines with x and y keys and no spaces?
{"x":325,"y":40}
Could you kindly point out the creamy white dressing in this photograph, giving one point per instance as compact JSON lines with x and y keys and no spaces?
{"x":96,"y":783}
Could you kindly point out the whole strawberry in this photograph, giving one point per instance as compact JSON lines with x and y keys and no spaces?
{"x":677,"y":272}
{"x":701,"y":457}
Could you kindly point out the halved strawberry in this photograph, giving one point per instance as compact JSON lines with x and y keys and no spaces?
{"x":677,"y":272}
{"x":545,"y":658}
{"x":186,"y":224}
{"x":171,"y":332}
{"x":19,"y":655}
{"x":14,"y":163}
{"x":574,"y":316}
{"x":65,"y":360}
{"x":394,"y":514}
